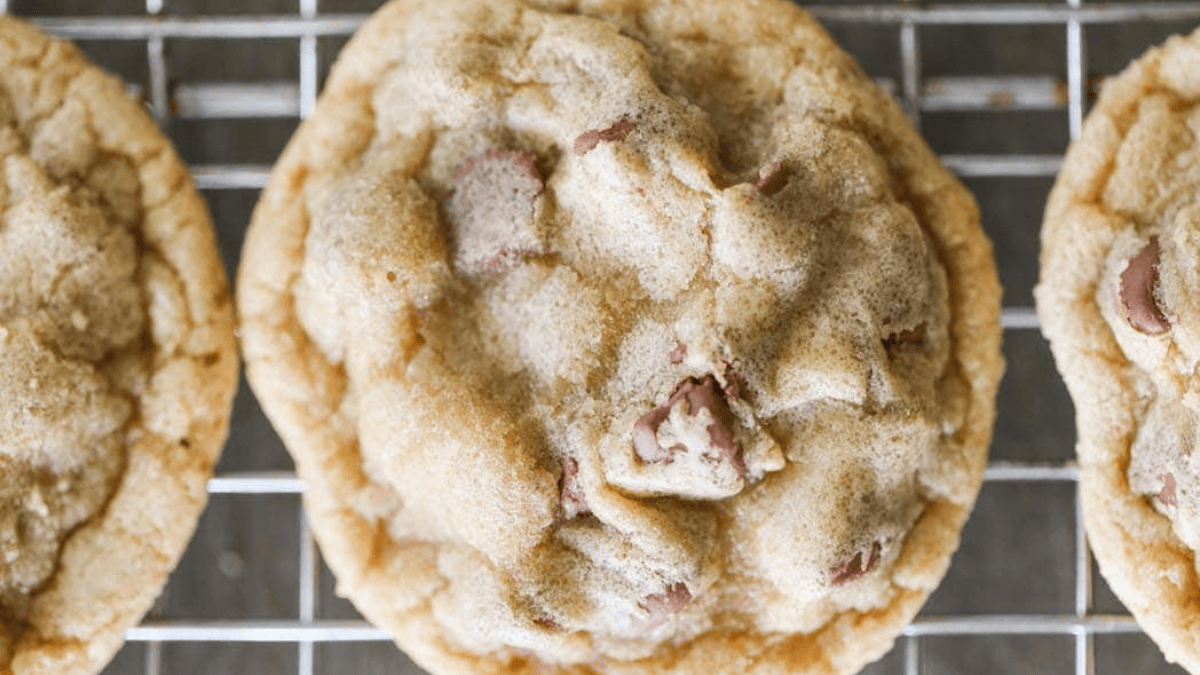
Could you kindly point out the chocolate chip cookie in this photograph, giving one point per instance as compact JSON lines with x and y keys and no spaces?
{"x":1120,"y":246}
{"x":622,"y":336}
{"x":117,"y":357}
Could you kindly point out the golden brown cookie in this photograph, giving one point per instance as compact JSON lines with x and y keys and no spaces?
{"x":1120,"y":248}
{"x":117,"y":357}
{"x":622,"y":337}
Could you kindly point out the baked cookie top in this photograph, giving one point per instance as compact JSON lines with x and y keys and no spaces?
{"x":1116,"y":299}
{"x":622,"y":336}
{"x":117,"y":359}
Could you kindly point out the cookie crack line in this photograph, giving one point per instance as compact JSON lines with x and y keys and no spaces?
{"x":1105,"y":174}
{"x":36,"y":122}
{"x":132,"y":424}
{"x":148,"y":249}
{"x":51,"y":580}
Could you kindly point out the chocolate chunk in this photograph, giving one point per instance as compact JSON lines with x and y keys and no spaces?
{"x":588,"y":140}
{"x":524,"y":162}
{"x":571,"y":493}
{"x":1167,"y":494}
{"x":694,"y":395}
{"x":645,"y":436}
{"x":678,"y":354}
{"x":549,"y":624}
{"x":492,"y":211}
{"x":1137,"y":292}
{"x":505,"y":258}
{"x":855,"y":568}
{"x":661,"y":606}
{"x":908,"y":337}
{"x":774,"y":180}
{"x":735,"y":384}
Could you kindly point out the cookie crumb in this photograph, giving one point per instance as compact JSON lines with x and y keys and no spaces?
{"x":231,"y":565}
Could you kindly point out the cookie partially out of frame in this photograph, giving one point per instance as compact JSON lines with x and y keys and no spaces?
{"x":622,"y":337}
{"x":117,"y":358}
{"x":1117,"y":300}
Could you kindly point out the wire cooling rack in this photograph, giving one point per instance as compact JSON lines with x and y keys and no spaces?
{"x":997,"y":89}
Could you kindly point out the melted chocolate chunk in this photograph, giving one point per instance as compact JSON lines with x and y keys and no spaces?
{"x":588,"y":140}
{"x":645,"y":436}
{"x":678,"y":354}
{"x":571,"y":494}
{"x":1137,"y":292}
{"x":523,"y":162}
{"x":696,"y":395}
{"x":492,"y":210}
{"x":549,"y":624}
{"x":735,"y":384}
{"x":1167,"y":494}
{"x":661,"y":606}
{"x":855,"y":568}
{"x":909,"y":337}
{"x":506,"y":257}
{"x":770,"y":183}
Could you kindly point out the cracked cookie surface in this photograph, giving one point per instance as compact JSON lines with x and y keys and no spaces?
{"x":1120,"y":242}
{"x":117,"y":361}
{"x":622,"y":336}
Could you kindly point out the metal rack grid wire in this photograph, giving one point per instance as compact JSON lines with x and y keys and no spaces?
{"x":919,"y":95}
